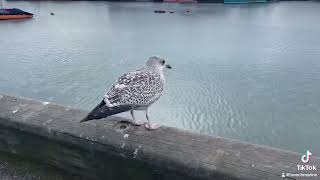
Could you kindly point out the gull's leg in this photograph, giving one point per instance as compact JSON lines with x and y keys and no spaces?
{"x":149,"y":125}
{"x":138,"y":123}
{"x":132,"y":115}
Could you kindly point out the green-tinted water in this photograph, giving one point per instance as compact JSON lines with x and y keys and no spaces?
{"x":249,"y":72}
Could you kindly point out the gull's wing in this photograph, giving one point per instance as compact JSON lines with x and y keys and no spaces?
{"x":118,"y":95}
{"x":102,"y":111}
{"x":132,"y":90}
{"x":138,"y":88}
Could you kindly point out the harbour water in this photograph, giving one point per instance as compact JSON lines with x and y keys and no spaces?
{"x":248,"y":72}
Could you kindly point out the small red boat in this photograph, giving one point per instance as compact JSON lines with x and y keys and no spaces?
{"x":14,"y":13}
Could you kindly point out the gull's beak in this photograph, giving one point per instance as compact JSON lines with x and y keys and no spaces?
{"x":168,"y":66}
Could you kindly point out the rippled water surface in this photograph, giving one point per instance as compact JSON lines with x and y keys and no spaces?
{"x":249,"y":72}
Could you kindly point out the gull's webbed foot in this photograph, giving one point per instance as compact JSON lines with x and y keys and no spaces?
{"x":139,"y":122}
{"x":152,"y":126}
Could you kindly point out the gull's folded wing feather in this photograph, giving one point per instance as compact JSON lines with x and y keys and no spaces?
{"x":137,"y":88}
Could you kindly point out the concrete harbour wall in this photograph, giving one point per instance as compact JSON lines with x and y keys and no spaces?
{"x":115,"y":149}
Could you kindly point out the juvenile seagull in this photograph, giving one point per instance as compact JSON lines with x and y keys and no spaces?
{"x":136,"y":90}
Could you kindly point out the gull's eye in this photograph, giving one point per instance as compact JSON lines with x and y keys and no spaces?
{"x":162,"y":62}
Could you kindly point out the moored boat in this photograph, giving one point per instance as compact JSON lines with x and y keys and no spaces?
{"x":181,"y":1}
{"x":159,"y":11}
{"x":14,"y":13}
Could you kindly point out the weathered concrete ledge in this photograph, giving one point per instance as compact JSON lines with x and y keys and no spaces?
{"x":115,"y":149}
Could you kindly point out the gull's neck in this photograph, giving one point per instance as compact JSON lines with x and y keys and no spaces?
{"x":157,"y":69}
{"x":160,"y":71}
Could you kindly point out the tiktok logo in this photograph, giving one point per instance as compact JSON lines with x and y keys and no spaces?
{"x":307,"y":170}
{"x":305,"y":158}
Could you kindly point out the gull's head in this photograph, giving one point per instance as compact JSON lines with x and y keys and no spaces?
{"x":157,"y":62}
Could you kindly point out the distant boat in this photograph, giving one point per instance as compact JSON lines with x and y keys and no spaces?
{"x":159,"y":11}
{"x":244,"y":1}
{"x":14,"y":13}
{"x":181,"y":1}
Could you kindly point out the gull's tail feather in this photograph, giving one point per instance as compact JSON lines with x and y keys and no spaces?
{"x":102,"y":111}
